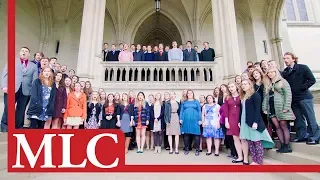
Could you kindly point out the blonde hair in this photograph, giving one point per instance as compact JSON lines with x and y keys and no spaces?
{"x":268,"y":82}
{"x":121,"y":98}
{"x":155,"y":99}
{"x":98,"y":97}
{"x":249,"y":93}
{"x":294,"y":57}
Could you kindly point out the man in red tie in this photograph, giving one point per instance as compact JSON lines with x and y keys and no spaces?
{"x":26,"y":72}
{"x":161,"y":55}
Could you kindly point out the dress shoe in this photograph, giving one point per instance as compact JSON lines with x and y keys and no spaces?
{"x":312,"y":142}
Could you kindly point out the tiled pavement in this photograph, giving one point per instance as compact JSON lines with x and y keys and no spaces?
{"x":133,"y":158}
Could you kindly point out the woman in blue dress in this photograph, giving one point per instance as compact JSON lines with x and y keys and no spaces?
{"x":211,"y":125}
{"x":190,"y":119}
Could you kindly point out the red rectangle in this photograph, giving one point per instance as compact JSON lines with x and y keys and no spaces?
{"x":106,"y":150}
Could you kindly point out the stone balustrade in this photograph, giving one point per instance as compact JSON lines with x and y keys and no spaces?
{"x":159,"y":75}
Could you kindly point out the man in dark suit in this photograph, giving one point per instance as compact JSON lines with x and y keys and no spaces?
{"x":105,"y":51}
{"x":138,"y":55}
{"x":189,"y":54}
{"x":26,"y":72}
{"x":301,"y":78}
{"x":207,"y":54}
{"x":113,"y":54}
{"x":161,"y":55}
{"x":37,"y":58}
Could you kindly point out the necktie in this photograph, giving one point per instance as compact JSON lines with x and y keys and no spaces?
{"x":24,"y":66}
{"x":160,"y":53}
{"x":290,"y":70}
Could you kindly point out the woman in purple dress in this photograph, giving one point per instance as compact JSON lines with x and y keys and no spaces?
{"x":60,"y":102}
{"x":232,"y":115}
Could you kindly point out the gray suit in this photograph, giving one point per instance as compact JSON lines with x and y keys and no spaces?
{"x":22,"y":79}
{"x":23,"y":86}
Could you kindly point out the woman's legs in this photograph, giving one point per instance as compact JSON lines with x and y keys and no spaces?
{"x":259,"y":153}
{"x":278,"y":129}
{"x":245,"y":150}
{"x":186,"y":143}
{"x":143,"y":138}
{"x":252,"y":151}
{"x":33,"y":123}
{"x":76,"y":127}
{"x":216,"y":146}
{"x":138,"y":138}
{"x":69,"y":127}
{"x":47,"y":124}
{"x":148,"y":139}
{"x":209,"y":145}
{"x":127,"y":144}
{"x":286,"y":133}
{"x":176,"y":142}
{"x":55,"y":123}
{"x":151,"y":141}
{"x":197,"y":143}
{"x":238,"y":147}
{"x":170,"y":143}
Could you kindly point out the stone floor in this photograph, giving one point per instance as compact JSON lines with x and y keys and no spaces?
{"x":133,"y":158}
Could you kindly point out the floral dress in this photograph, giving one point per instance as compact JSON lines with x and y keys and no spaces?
{"x":45,"y":101}
{"x":211,"y":122}
{"x":93,"y":122}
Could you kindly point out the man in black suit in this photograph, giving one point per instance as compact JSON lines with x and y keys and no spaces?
{"x":105,"y":51}
{"x":161,"y":55}
{"x":189,"y":54}
{"x":138,"y":55}
{"x":113,"y":54}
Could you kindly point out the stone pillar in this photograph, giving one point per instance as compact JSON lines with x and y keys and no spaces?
{"x":91,"y":40}
{"x":226,"y":39}
{"x":277,"y":52}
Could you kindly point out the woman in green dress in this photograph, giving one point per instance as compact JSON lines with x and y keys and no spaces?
{"x":277,"y":105}
{"x":253,"y":133}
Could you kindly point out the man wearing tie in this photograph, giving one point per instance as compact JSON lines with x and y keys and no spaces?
{"x":189,"y":54}
{"x":26,"y":72}
{"x":161,"y":55}
{"x":113,"y":54}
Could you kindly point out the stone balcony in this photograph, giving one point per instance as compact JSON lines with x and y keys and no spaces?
{"x":159,"y":75}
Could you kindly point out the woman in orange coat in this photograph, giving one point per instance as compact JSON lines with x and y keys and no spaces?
{"x":76,"y":111}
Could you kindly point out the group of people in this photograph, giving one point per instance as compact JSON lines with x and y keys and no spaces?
{"x":157,"y":53}
{"x":238,"y":113}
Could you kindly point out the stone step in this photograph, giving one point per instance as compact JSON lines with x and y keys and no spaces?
{"x":291,"y":176}
{"x":293,"y":158}
{"x":303,"y":148}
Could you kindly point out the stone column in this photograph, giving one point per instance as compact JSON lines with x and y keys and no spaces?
{"x":277,"y":51}
{"x":231,"y":38}
{"x":226,"y":39}
{"x":91,"y":39}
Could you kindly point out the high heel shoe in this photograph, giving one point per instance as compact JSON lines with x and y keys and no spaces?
{"x":208,"y":154}
{"x":244,"y":163}
{"x":237,"y":161}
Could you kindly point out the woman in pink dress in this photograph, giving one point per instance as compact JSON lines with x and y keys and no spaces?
{"x":232,"y":115}
{"x":125,"y":55}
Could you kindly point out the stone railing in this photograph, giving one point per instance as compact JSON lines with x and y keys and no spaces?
{"x":159,"y":75}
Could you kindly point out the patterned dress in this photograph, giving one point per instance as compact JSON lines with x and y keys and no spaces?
{"x":45,"y":101}
{"x":173,"y":128}
{"x":92,"y":123}
{"x":211,"y":122}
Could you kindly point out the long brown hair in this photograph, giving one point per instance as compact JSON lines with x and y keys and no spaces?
{"x":61,"y":82}
{"x":136,"y":103}
{"x":261,"y":74}
{"x":50,"y":79}
{"x":86,"y":90}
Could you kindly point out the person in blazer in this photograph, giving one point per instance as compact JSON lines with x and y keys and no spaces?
{"x":149,"y":134}
{"x":113,"y":54}
{"x":94,"y":117}
{"x":161,"y":55}
{"x":26,"y":72}
{"x":141,"y":116}
{"x":253,"y":133}
{"x":300,"y":78}
{"x":189,"y":54}
{"x":60,"y":102}
{"x":41,"y":107}
{"x":138,"y":55}
{"x":125,"y":116}
{"x":277,"y":105}
{"x":76,"y":112}
{"x":157,"y":122}
{"x":109,"y":114}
